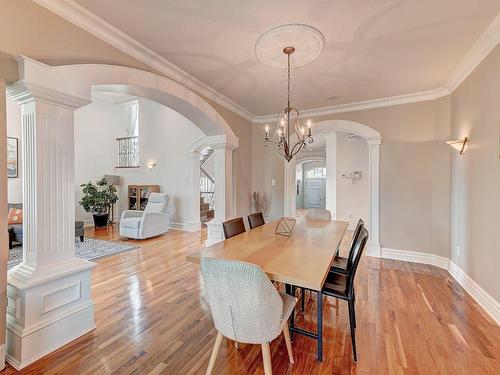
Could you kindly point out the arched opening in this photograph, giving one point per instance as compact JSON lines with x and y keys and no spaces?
{"x":48,"y":98}
{"x":325,"y":133}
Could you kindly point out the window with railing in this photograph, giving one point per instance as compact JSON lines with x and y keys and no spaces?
{"x":316,"y":173}
{"x":128,"y":152}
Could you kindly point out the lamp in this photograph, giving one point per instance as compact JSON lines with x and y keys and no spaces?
{"x":458,"y":144}
{"x":112,"y":180}
{"x":150,"y":164}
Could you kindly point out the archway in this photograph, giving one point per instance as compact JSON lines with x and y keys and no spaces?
{"x":59,"y":301}
{"x":328,"y":130}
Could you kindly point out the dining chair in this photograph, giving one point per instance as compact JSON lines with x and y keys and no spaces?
{"x":341,"y":286}
{"x":342,"y":264}
{"x":246,"y":307}
{"x":233,"y":227}
{"x":318,"y":214}
{"x":256,"y":220}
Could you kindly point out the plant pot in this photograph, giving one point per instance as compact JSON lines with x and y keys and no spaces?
{"x":101,"y":220}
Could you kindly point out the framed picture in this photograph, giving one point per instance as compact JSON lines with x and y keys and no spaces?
{"x":12,"y":157}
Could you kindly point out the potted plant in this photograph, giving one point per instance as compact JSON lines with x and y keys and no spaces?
{"x":98,"y":198}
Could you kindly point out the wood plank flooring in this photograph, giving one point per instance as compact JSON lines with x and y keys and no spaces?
{"x":152,"y":317}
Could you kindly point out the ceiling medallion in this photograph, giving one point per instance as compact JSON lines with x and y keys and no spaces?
{"x":307,"y":40}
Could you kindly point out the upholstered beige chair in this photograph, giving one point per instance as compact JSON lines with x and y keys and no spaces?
{"x":246,"y":307}
{"x":318,"y":214}
{"x":151,"y":222}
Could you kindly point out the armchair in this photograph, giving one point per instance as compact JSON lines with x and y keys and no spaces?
{"x":151,"y":222}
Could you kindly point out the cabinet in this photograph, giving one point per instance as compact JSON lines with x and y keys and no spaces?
{"x":138,"y":195}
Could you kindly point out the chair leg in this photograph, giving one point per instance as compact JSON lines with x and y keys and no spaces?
{"x":266,"y":356}
{"x":215,"y":351}
{"x":81,"y":238}
{"x":288,"y":342}
{"x":303,"y":296}
{"x":354,"y":307}
{"x":353,"y":330}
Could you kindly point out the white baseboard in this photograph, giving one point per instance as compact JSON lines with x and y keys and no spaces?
{"x":486,"y":301}
{"x":189,"y":227}
{"x":2,"y":357}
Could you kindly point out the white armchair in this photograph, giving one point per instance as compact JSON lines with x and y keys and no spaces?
{"x":151,"y":222}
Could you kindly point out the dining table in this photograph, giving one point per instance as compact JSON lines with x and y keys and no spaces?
{"x":301,"y":260}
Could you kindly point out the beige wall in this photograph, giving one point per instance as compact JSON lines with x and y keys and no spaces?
{"x":414,"y":173}
{"x":476,"y":175}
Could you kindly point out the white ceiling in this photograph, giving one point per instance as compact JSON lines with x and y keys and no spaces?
{"x":374,"y":49}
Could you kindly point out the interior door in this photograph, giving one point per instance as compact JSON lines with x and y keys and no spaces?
{"x":315,"y":193}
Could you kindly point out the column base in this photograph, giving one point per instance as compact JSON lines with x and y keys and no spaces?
{"x":48,"y":310}
{"x":215,"y":233}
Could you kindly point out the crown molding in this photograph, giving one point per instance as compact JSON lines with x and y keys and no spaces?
{"x":365,"y":104}
{"x":101,"y":29}
{"x":88,"y":21}
{"x":483,"y":46}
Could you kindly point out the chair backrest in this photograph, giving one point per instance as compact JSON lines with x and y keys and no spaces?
{"x":355,"y":236}
{"x":359,"y":246}
{"x":256,"y":220}
{"x":233,"y":227}
{"x":157,"y":202}
{"x":319,"y":214}
{"x":245,"y":305}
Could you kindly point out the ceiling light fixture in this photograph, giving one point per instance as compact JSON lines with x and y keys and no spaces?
{"x":288,"y":118}
{"x":458,"y":144}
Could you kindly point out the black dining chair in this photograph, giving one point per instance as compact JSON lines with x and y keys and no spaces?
{"x":342,"y":264}
{"x":256,"y":220}
{"x":233,"y":227}
{"x":341,"y":286}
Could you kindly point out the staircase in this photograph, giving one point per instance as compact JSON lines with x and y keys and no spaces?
{"x":207,"y":190}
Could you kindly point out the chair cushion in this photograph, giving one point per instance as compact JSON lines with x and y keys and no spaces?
{"x":336,"y":285}
{"x":131,"y":222}
{"x":157,"y":202}
{"x":288,"y":305}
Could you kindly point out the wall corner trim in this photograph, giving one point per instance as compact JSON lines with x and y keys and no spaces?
{"x":483,"y":299}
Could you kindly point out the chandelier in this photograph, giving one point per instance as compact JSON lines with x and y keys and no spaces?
{"x":289,"y":137}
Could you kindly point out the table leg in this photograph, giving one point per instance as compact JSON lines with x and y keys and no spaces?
{"x":320,"y":325}
{"x":292,"y":316}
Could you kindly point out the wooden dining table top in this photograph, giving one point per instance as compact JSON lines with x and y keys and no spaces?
{"x":303,"y":259}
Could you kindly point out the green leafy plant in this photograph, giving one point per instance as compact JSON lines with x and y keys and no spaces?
{"x":98,"y":198}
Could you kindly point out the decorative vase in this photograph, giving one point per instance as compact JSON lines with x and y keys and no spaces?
{"x":101,"y":220}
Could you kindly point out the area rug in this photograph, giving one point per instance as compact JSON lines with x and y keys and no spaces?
{"x":89,"y":249}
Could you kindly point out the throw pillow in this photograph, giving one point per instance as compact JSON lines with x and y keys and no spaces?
{"x":15,"y":216}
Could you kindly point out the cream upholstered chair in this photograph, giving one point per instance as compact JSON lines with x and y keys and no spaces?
{"x":151,"y":222}
{"x":246,"y":307}
{"x":319,"y":214}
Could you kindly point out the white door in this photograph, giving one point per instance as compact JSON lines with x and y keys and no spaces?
{"x":315,"y":193}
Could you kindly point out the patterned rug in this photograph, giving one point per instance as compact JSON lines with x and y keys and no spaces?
{"x":89,"y":249}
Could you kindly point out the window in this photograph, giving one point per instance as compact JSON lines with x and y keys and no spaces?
{"x":316,"y":173}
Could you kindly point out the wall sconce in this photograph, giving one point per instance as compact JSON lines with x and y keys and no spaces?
{"x":150,"y":164}
{"x":459,"y":144}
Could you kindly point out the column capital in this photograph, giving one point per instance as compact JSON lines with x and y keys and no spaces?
{"x":374,"y":140}
{"x":224,"y":146}
{"x":24,"y":92}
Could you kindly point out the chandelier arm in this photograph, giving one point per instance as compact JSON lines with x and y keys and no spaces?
{"x":297,"y":147}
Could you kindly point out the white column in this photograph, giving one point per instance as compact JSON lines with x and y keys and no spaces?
{"x":224,"y":205}
{"x":331,"y":173}
{"x":290,"y":188}
{"x":193,"y":220}
{"x":373,"y":248}
{"x":49,"y":301}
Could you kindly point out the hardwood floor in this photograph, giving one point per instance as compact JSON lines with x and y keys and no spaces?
{"x":152,"y":318}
